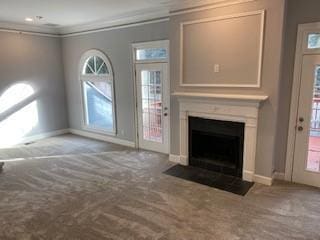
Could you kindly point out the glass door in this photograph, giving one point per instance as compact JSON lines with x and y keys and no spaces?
{"x":306,"y":168}
{"x":153,"y":111}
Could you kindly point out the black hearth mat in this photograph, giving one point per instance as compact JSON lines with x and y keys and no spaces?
{"x":212,"y":179}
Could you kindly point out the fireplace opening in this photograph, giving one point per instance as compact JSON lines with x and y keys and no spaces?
{"x":216,"y":145}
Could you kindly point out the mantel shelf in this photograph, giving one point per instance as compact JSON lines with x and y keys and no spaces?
{"x":240,"y":97}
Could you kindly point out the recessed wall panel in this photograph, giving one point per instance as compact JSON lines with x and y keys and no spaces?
{"x":225,"y":51}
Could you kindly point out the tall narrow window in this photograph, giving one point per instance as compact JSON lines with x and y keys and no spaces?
{"x":98,"y":93}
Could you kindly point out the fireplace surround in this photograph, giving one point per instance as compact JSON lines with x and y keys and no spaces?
{"x":223,"y":107}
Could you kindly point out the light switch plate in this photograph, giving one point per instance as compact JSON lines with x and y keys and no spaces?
{"x":216,"y":68}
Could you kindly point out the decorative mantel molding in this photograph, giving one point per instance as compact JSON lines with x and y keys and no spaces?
{"x":225,"y":107}
{"x":220,"y":96}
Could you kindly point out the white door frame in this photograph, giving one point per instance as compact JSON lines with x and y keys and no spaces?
{"x":142,"y":45}
{"x":301,"y":50}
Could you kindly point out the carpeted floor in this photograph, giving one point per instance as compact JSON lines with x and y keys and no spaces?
{"x":88,"y":190}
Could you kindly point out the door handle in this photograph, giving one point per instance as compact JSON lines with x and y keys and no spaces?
{"x":165,"y":114}
{"x":301,"y":119}
{"x":300,"y":128}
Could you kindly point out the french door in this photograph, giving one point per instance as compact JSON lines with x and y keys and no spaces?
{"x":153,"y":101}
{"x":306,"y":166}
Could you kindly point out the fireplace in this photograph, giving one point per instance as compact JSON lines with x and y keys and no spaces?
{"x":223,"y":107}
{"x":216,"y":145}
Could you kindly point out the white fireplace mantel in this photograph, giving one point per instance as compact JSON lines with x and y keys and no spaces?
{"x":249,"y":99}
{"x":226,"y":107}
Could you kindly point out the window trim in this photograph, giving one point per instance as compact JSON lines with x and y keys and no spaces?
{"x":109,"y":78}
{"x":135,"y":63}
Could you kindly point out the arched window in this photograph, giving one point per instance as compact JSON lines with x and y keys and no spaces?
{"x":96,"y":77}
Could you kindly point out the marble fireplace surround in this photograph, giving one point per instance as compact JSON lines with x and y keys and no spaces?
{"x":226,"y":107}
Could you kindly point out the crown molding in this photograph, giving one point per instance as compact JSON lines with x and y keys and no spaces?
{"x":175,"y":8}
{"x":112,"y":27}
{"x":136,"y":18}
{"x":29,"y":29}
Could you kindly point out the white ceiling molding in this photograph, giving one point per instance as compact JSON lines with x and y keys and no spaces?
{"x":32,"y":29}
{"x":163,"y":10}
{"x":115,"y":27}
{"x":25,"y":32}
{"x":174,"y":7}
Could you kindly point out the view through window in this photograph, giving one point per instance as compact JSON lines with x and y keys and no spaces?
{"x":97,"y":85}
{"x":313,"y":163}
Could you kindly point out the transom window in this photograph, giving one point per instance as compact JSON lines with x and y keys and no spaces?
{"x":313,"y":40}
{"x":156,"y":51}
{"x":151,"y":54}
{"x":97,"y":92}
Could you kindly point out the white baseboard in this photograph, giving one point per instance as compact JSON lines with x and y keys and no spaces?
{"x":96,"y":136}
{"x":102,"y":137}
{"x":248,"y":176}
{"x":279,"y":176}
{"x":174,"y":158}
{"x":184,"y":160}
{"x":263,"y":180}
{"x":41,"y":136}
{"x":251,"y":177}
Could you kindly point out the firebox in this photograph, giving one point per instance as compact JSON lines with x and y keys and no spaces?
{"x":216,"y":145}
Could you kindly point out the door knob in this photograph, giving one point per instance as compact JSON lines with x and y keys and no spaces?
{"x":165,"y":114}
{"x":301,"y":119}
{"x":300,"y":128}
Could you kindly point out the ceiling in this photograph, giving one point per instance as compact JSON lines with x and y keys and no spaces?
{"x":65,"y":15}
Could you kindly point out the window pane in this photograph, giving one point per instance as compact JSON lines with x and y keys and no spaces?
{"x":103,"y":69}
{"x":313,"y":163}
{"x":99,"y":62}
{"x":314,"y":40}
{"x":151,"y":89}
{"x":151,"y":54}
{"x":98,"y":99}
{"x":88,"y":70}
{"x":95,"y":65}
{"x":90,"y":66}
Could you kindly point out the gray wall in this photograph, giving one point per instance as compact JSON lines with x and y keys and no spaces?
{"x":37,"y":61}
{"x":298,"y":12}
{"x":275,"y":10}
{"x":116,"y":44}
{"x":232,"y":40}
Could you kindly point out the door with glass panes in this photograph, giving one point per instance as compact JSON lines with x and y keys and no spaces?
{"x":306,"y":167}
{"x":153,"y":106}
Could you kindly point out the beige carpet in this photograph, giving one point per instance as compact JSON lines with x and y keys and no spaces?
{"x":103,"y":191}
